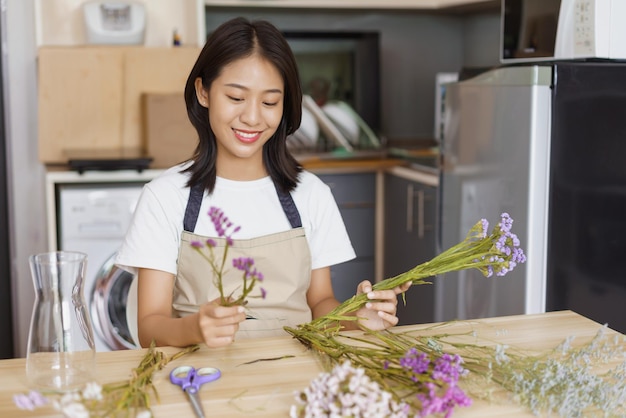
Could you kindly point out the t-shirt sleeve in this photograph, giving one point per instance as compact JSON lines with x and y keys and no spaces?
{"x":329,"y":241}
{"x":153,"y":237}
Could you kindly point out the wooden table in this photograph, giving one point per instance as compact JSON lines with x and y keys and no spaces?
{"x":266,"y":388}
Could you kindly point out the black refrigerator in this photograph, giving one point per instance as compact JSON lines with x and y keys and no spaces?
{"x":6,"y":322}
{"x":545,"y":143}
{"x":587,"y":215}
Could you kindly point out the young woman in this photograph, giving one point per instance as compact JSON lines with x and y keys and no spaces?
{"x":243,"y":97}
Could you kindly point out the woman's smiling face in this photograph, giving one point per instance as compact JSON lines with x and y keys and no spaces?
{"x":245,"y":108}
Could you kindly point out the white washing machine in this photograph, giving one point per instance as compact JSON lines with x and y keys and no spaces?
{"x":90,"y":212}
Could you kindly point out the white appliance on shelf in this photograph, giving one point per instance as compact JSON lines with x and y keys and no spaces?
{"x":115,"y":22}
{"x":546,"y":30}
{"x":90,"y":212}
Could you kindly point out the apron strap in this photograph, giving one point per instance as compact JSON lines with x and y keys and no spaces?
{"x":289,"y":207}
{"x":195,"y":201}
{"x":193,"y":207}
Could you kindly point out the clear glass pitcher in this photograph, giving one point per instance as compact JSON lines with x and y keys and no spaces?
{"x":61,"y":353}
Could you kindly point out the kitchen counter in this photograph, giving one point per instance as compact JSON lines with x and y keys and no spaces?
{"x":266,"y":388}
{"x":338,"y":165}
{"x":425,"y":160}
{"x":334,"y":162}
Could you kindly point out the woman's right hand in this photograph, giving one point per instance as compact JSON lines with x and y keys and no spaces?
{"x":218,"y":324}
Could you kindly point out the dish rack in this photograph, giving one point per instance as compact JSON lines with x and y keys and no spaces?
{"x":334,"y":126}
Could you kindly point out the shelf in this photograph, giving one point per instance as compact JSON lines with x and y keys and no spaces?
{"x":434,"y":5}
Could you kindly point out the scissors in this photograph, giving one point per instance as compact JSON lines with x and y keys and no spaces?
{"x":190,"y":379}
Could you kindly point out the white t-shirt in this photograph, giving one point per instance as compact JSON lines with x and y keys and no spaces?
{"x":153,"y":238}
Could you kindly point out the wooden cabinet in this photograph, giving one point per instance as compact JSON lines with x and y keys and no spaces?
{"x":355,"y":194}
{"x":410,"y":237}
{"x":90,"y":97}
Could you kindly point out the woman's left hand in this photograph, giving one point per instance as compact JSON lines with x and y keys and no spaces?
{"x":380,"y":312}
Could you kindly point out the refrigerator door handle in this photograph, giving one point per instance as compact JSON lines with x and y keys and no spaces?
{"x":411,"y":193}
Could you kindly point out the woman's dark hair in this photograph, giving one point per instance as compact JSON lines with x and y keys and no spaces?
{"x":235,"y":39}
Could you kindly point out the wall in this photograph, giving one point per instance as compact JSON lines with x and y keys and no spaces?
{"x":481,"y":40}
{"x":26,"y":174}
{"x":414,"y":47}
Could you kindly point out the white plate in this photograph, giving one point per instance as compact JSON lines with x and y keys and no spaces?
{"x":344,"y":121}
{"x":326,"y":125}
{"x":309,"y":128}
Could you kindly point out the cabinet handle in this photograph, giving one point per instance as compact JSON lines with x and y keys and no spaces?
{"x":411,"y":193}
{"x":420,"y":213}
{"x":409,"y":208}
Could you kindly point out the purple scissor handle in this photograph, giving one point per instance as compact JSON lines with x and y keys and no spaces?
{"x":190,"y":379}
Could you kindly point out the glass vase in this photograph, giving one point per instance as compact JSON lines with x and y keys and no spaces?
{"x":61,"y":354}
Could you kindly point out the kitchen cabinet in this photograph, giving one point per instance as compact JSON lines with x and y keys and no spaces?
{"x":409,"y":229}
{"x":355,"y":194}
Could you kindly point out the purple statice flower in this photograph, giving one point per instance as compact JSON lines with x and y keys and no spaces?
{"x":243,"y":263}
{"x":444,"y":394}
{"x":440,"y":393}
{"x":506,"y":222}
{"x":484,"y":228}
{"x":506,"y":253}
{"x":415,"y":361}
{"x":30,"y":401}
{"x":224,"y":229}
{"x":198,"y":245}
{"x":448,"y":368}
{"x":518,"y":255}
{"x":489,"y":271}
{"x":501,"y":244}
{"x":22,"y":401}
{"x":246,"y":264}
{"x":432,"y":403}
{"x":250,"y":275}
{"x":223,"y":226}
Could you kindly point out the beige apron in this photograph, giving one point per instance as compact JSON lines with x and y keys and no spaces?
{"x":283,"y":258}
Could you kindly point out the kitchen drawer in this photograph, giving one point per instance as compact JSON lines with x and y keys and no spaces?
{"x":355,"y":194}
{"x":360,"y":224}
{"x":347,"y":276}
{"x":420,"y":305}
{"x":352,"y":190}
{"x":410,"y":229}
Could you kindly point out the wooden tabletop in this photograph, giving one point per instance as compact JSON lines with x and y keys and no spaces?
{"x":266,"y":388}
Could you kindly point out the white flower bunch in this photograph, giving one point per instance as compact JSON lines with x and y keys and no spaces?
{"x":346,"y":392}
{"x":125,"y":398}
{"x":566,"y":382}
{"x":71,"y":404}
